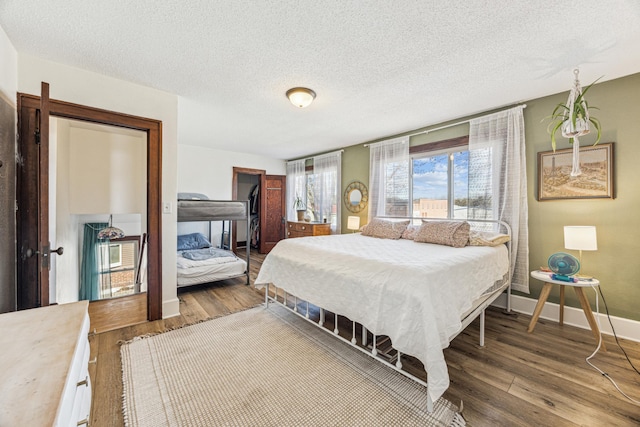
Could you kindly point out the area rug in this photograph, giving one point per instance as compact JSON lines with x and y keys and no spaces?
{"x":266,"y":367}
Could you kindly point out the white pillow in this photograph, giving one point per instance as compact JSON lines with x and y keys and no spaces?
{"x":485,"y":238}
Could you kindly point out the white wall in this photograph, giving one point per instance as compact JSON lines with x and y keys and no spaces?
{"x":8,"y":68}
{"x":88,"y":88}
{"x":210,"y":171}
{"x":107,"y":172}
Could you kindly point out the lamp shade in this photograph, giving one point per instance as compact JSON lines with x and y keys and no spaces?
{"x":301,"y":96}
{"x":580,"y":237}
{"x":353,"y":222}
{"x":111,"y":232}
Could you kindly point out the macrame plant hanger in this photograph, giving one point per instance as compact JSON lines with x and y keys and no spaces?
{"x":573,"y":126}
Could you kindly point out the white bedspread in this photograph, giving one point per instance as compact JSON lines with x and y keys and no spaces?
{"x":189,"y":263}
{"x":415,"y":293}
{"x":190,"y":272}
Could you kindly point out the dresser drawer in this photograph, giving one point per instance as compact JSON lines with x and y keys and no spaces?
{"x":302,"y":229}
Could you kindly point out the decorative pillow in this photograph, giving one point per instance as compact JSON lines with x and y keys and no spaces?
{"x":410,"y":232}
{"x":450,"y":233}
{"x":192,"y":241}
{"x":485,"y":238}
{"x":385,"y":229}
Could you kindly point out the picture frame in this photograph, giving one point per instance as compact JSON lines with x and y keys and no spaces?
{"x":596,"y":181}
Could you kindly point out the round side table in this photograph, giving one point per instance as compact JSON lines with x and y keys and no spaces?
{"x":578,"y":287}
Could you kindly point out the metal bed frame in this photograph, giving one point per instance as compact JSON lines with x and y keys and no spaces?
{"x":372,"y":350}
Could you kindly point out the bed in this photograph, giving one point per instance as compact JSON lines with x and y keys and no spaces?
{"x":198,"y":261}
{"x":420,"y":295}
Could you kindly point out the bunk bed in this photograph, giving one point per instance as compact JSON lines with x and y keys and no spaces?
{"x":201,"y":262}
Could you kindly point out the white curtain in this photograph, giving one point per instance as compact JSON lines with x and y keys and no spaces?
{"x":326,"y":193}
{"x":497,"y":175}
{"x":389,"y":178}
{"x":296,"y":186}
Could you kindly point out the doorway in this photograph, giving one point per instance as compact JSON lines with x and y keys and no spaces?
{"x":96,"y":180}
{"x":246,"y":186}
{"x":33,"y":247}
{"x":270,"y":207}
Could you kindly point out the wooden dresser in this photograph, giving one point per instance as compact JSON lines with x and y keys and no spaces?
{"x":44,"y":376}
{"x":302,"y":229}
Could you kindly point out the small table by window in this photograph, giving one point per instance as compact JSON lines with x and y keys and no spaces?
{"x":577,"y":287}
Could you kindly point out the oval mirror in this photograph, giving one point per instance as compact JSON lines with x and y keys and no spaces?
{"x":355,"y":196}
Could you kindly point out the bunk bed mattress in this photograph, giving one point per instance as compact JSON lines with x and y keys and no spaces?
{"x":191,"y":272}
{"x":415,"y":293}
{"x":211,"y":210}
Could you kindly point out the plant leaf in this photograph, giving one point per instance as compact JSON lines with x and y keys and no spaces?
{"x":553,"y":135}
{"x":596,"y":124}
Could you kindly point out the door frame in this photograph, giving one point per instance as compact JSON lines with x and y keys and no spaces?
{"x":234,"y":195}
{"x":153,"y":129}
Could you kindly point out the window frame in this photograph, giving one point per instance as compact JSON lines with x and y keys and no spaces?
{"x":107,"y":272}
{"x":447,"y":146}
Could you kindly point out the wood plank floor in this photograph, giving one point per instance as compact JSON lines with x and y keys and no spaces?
{"x":115,"y":313}
{"x":517,"y":379}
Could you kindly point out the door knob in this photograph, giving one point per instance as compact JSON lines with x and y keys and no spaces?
{"x":58,"y":251}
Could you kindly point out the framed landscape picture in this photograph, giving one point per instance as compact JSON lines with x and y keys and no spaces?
{"x":596,"y":181}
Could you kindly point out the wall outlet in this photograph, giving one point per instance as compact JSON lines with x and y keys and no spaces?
{"x":166,"y":207}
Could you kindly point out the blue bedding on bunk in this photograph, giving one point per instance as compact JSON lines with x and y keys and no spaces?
{"x":192,"y":241}
{"x":206,"y":253}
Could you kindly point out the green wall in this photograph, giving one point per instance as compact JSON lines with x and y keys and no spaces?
{"x":616,"y":263}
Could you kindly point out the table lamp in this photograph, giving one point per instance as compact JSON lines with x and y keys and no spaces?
{"x":353,"y":223}
{"x":580,"y":238}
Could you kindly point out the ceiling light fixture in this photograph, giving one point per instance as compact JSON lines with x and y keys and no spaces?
{"x":301,"y":96}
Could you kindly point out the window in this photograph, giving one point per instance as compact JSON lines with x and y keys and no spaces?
{"x":440,"y":185}
{"x":319,"y":185}
{"x":451,"y":183}
{"x":118,"y":266}
{"x":315,"y":210}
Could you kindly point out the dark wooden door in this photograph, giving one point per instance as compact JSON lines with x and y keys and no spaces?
{"x":32,"y":198}
{"x":272,"y":211}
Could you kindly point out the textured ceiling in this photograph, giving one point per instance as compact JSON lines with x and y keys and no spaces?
{"x":378,"y":67}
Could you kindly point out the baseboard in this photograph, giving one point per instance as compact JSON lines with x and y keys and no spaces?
{"x":625,"y":328}
{"x":170,"y":308}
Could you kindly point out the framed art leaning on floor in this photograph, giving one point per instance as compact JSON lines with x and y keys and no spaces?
{"x":595,"y":182}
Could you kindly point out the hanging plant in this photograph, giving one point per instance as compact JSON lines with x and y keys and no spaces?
{"x":573,"y":118}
